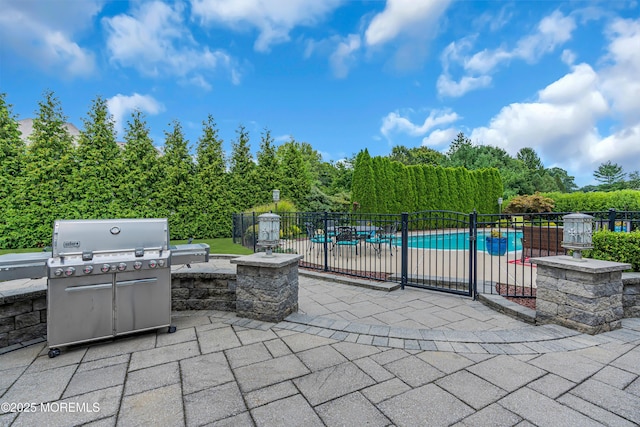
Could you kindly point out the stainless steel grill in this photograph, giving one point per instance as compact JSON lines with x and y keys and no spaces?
{"x":106,"y":278}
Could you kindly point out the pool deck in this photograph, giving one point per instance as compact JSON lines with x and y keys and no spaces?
{"x":351,"y":356}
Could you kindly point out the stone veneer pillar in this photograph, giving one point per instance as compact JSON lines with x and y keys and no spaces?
{"x":585,"y":296}
{"x":267,"y":287}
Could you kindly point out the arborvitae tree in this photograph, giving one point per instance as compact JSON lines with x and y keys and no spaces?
{"x":98,"y":173}
{"x":473,"y":188}
{"x":421,"y":187}
{"x":363,"y":190}
{"x":45,"y":194}
{"x":416,"y":187}
{"x":267,"y":169}
{"x":211,"y":196}
{"x":295,"y":180}
{"x":407,"y":189}
{"x":176,"y":193}
{"x":141,"y":171}
{"x":242,"y":173}
{"x":462,"y":186}
{"x":12,"y":157}
{"x":442,"y":200}
{"x":452,"y":198}
{"x":382,"y":187}
{"x":395,"y":175}
{"x":430,"y":191}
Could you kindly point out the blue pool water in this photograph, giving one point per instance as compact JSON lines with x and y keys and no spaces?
{"x":460,"y":240}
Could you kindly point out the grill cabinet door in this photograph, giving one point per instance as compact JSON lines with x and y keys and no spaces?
{"x":79,"y":309}
{"x":143,"y":300}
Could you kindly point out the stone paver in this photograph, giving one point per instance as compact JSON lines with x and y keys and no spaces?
{"x":269,"y":372}
{"x":153,"y":377}
{"x":96,"y":379}
{"x":472,"y":390}
{"x":541,"y":410}
{"x":610,"y":398}
{"x":213,"y":404}
{"x":426,"y":405}
{"x":292,"y":411}
{"x":154,"y":407}
{"x":350,"y":356}
{"x":332,"y":382}
{"x":506,"y":372}
{"x":204,"y":371}
{"x":351,"y":410}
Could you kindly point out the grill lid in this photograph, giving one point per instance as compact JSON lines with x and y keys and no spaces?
{"x":87,"y":236}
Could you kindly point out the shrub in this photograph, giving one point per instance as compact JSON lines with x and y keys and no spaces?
{"x":596,"y":201}
{"x":617,"y":247}
{"x":283,"y":206}
{"x":536,"y":203}
{"x":496,"y":234}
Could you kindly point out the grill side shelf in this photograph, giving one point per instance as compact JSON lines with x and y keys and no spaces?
{"x":32,"y":265}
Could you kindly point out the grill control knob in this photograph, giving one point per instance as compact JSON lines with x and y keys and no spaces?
{"x":87,"y":269}
{"x":69,"y":271}
{"x":114,"y":267}
{"x":105,"y":268}
{"x":122,"y":266}
{"x":137,"y":265}
{"x":160,"y":263}
{"x":153,"y":263}
{"x":58,"y":272}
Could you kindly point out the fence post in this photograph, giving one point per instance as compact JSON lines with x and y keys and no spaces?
{"x":612,"y":219}
{"x":473,"y":254}
{"x":253,"y":230}
{"x":405,"y":249}
{"x":325,"y":243}
{"x":233,"y":227}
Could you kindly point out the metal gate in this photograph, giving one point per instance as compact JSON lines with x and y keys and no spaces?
{"x":439,"y":251}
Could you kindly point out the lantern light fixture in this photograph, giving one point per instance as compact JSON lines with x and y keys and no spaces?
{"x":578,"y":233}
{"x":269,"y":232}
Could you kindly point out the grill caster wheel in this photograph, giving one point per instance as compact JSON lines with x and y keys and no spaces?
{"x":172,"y":329}
{"x":54,"y":352}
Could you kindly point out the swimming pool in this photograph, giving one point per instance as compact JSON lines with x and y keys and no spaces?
{"x":460,"y":240}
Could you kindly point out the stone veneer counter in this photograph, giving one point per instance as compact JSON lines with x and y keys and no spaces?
{"x":583,"y":295}
{"x":267,"y":286}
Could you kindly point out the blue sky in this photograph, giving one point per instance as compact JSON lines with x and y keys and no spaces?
{"x":560,"y":77}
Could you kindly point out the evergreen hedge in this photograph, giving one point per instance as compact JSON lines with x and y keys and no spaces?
{"x":623,"y":200}
{"x":617,"y":247}
{"x":381,"y":185}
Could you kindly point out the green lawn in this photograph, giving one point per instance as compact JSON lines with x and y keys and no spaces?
{"x":218,"y":246}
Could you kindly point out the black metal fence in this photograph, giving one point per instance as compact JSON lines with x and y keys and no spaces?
{"x":441,"y":250}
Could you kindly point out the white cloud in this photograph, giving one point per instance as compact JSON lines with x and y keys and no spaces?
{"x":620,"y":81}
{"x":568,"y":57}
{"x":440,"y":137}
{"x":343,"y":57}
{"x":154,"y":40}
{"x":551,"y":32}
{"x":274,"y":19}
{"x":394,"y":122}
{"x":448,"y":87}
{"x":121,"y":105}
{"x":403,"y":16}
{"x":43,"y":33}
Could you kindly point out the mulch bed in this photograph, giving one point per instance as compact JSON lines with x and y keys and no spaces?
{"x":526,"y":300}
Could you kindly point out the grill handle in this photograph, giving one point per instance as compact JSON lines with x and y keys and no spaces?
{"x":88,"y":288}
